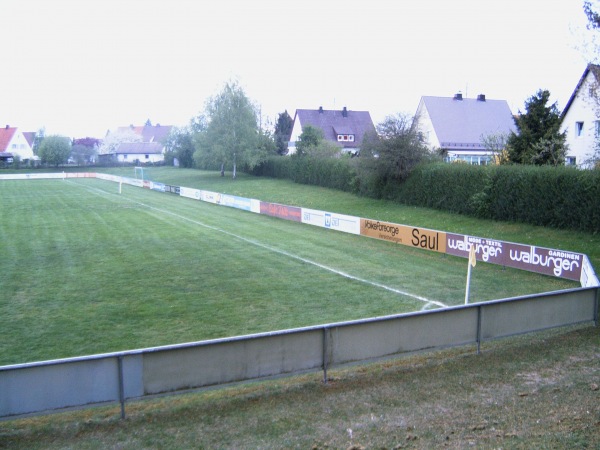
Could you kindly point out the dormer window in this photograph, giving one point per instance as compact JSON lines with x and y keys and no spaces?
{"x":345,"y":138}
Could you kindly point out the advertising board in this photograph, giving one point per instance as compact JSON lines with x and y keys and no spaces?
{"x":338,"y":222}
{"x":405,"y":235}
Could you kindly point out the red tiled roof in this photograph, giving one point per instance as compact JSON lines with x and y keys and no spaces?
{"x":6,"y":135}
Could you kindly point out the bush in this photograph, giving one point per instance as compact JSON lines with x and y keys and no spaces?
{"x":559,"y":197}
{"x":334,"y":173}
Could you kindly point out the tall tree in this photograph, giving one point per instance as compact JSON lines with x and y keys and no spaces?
{"x":538,"y":140}
{"x":592,"y":15}
{"x":112,"y":140}
{"x":55,"y":150}
{"x":232,"y":132}
{"x":311,"y":137}
{"x":84,"y":149}
{"x":283,"y":130}
{"x":389,"y":156}
{"x":180,"y":145}
{"x":37,"y":140}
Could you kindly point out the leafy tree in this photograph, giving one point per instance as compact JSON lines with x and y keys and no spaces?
{"x":549,"y":151}
{"x":55,"y":150}
{"x":283,"y":130}
{"x":231,"y":133}
{"x":180,"y":145}
{"x":112,"y":140}
{"x":37,"y":140}
{"x":496,"y":144}
{"x":538,"y":126}
{"x":389,"y":156}
{"x":84,"y":149}
{"x":592,"y":16}
{"x":310,"y":137}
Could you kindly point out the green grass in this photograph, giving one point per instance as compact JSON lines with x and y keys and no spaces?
{"x":86,"y":258}
{"x":94,"y":271}
{"x":286,"y":192}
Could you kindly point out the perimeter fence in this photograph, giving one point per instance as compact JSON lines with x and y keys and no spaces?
{"x":51,"y":386}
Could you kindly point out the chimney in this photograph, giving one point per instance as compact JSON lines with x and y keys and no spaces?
{"x":320,"y":110}
{"x":481,"y":98}
{"x":458,"y":96}
{"x":345,"y":112}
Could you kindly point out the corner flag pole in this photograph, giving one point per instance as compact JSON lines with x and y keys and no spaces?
{"x":472,"y":262}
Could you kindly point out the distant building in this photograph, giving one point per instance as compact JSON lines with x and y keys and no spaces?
{"x":140,"y":144}
{"x":14,"y":143}
{"x":581,"y":119}
{"x":344,"y":127}
{"x":458,"y":125}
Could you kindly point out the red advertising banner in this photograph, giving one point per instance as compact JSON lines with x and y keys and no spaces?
{"x":282,"y":211}
{"x":556,"y":263}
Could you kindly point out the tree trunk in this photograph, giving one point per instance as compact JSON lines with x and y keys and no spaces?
{"x":234,"y":166}
{"x":222,"y":169}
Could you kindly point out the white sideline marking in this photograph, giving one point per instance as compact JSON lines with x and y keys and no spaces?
{"x":428,"y":302}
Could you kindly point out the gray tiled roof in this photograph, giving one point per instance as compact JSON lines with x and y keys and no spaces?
{"x":139,"y":148}
{"x":334,"y":122}
{"x":461,"y":124}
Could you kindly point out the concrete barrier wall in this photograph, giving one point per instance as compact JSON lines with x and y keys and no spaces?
{"x":49,"y":386}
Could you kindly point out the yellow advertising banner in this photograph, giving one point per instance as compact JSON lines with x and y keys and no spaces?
{"x":405,"y":235}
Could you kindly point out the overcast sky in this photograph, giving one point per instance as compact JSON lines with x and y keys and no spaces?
{"x":81,"y":67}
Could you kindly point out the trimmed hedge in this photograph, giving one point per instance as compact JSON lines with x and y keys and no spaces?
{"x":558,"y":197}
{"x":334,"y":173}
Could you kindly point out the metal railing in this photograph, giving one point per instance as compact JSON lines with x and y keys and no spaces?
{"x":50,"y":386}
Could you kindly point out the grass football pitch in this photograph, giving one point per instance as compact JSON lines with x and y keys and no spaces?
{"x":85,"y":269}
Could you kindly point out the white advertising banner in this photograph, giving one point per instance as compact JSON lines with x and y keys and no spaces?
{"x":338,"y":222}
{"x":196,"y":194}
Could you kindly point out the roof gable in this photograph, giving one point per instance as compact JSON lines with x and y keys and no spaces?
{"x":592,"y":69}
{"x":336,"y":122}
{"x":6,"y":135}
{"x":29,"y":137}
{"x":461,"y":123}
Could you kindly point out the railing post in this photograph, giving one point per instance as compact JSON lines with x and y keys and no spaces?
{"x":325,"y":353}
{"x":479,"y":312}
{"x":121,"y":387}
{"x":596,"y":306}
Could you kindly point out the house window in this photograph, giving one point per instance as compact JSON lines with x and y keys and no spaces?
{"x":570,"y":161}
{"x":578,"y":129}
{"x":147,"y":156}
{"x":345,"y":138}
{"x":124,"y":156}
{"x":597,"y":127}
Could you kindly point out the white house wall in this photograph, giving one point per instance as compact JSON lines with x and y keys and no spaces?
{"x":295,"y":136}
{"x":19,"y":146}
{"x":583,"y":109}
{"x":425,"y":127}
{"x":152,"y":158}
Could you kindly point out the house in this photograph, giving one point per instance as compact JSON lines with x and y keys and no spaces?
{"x":344,"y":127}
{"x":14,"y":143}
{"x":135,"y":144}
{"x":459,"y":125}
{"x":149,"y":133}
{"x":581,"y":119}
{"x":135,"y":153}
